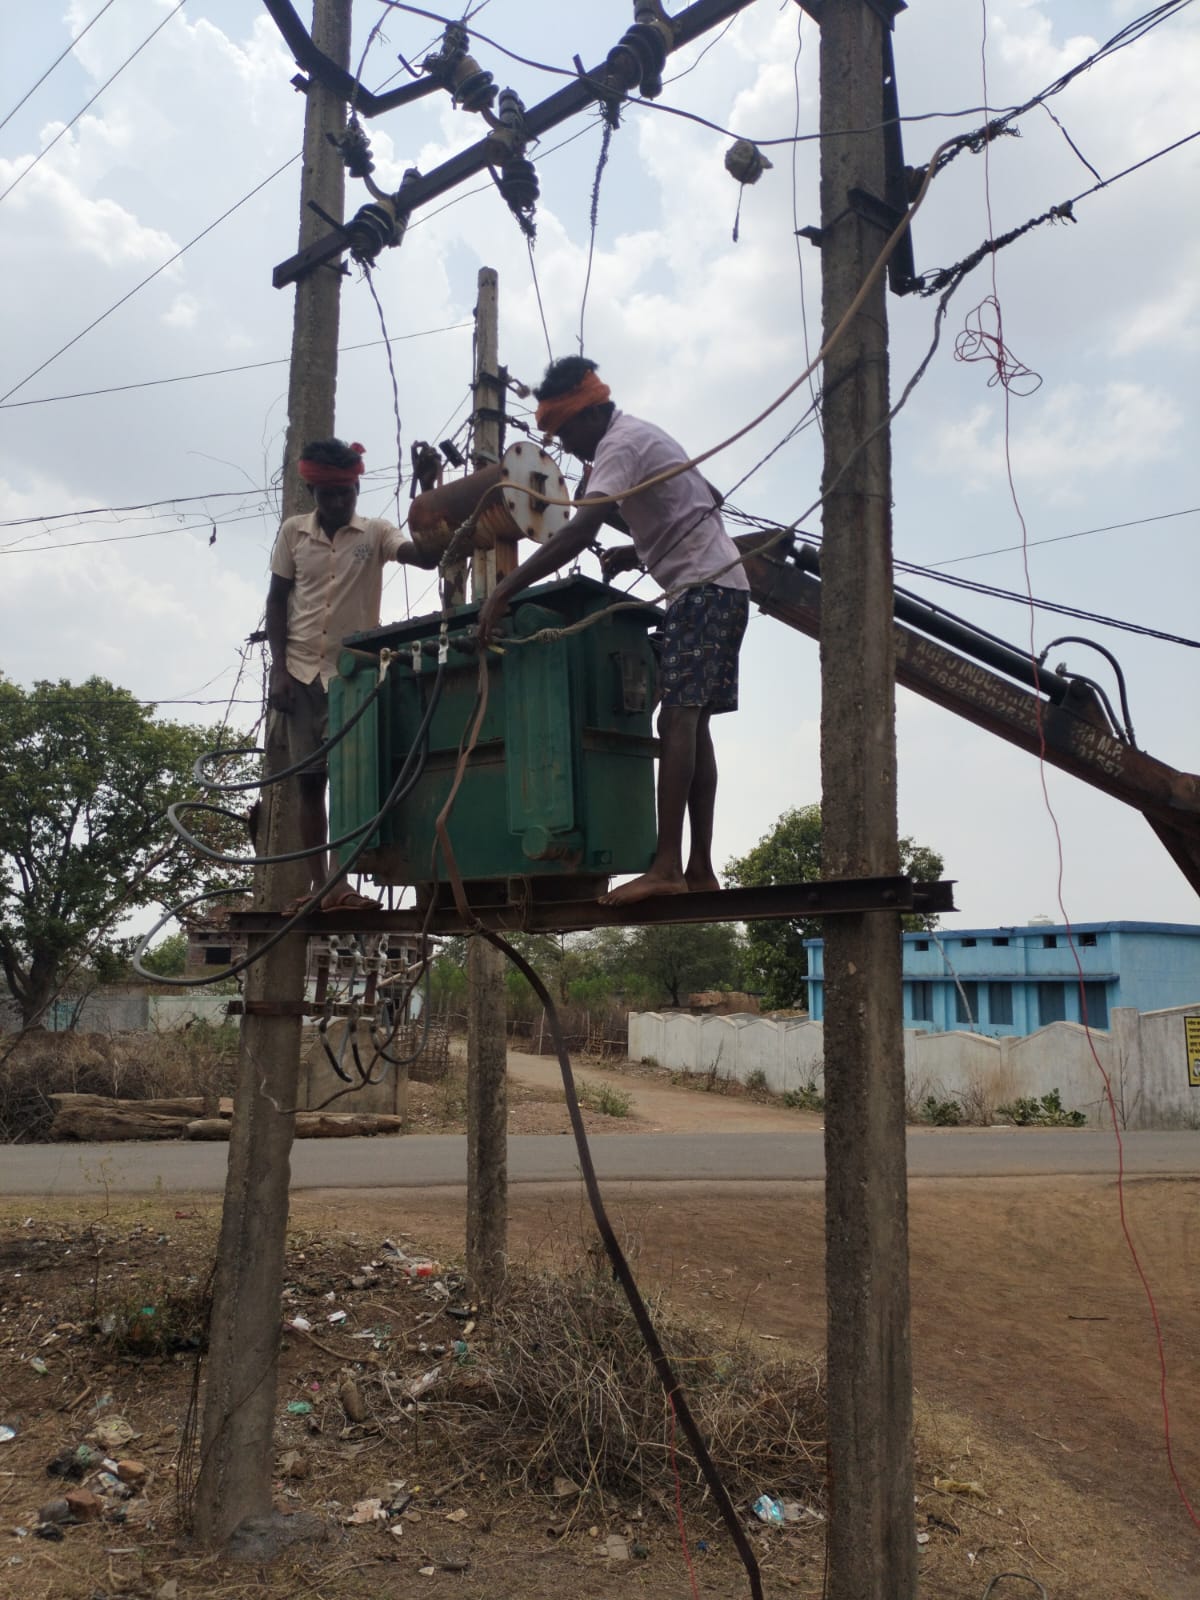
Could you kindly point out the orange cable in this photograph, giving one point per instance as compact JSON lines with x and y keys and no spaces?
{"x":1003,"y":372}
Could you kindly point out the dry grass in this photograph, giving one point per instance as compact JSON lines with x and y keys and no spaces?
{"x":199,"y":1060}
{"x":564,"y":1389}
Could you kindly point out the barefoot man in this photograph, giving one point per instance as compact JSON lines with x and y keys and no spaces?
{"x":326,"y":582}
{"x":678,"y":536}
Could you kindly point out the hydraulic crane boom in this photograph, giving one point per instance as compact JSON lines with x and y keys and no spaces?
{"x":995,"y":686}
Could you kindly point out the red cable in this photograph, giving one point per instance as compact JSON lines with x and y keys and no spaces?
{"x":683,"y":1538}
{"x":1005,"y":366}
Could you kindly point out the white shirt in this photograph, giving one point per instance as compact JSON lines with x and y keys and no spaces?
{"x":336,"y":587}
{"x":676,"y":527}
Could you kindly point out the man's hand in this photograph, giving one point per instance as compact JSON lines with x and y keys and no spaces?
{"x":495,"y":607}
{"x":618,"y":558}
{"x":281,"y":689}
{"x":409,"y":555}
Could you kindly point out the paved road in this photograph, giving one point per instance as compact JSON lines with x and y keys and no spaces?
{"x":429,"y":1160}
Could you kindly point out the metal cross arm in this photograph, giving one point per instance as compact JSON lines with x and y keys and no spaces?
{"x":775,"y":902}
{"x":615,"y":77}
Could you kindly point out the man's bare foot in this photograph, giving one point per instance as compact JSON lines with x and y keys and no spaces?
{"x":701,"y":882}
{"x":347,"y":899}
{"x":650,"y":883}
{"x":300,"y":903}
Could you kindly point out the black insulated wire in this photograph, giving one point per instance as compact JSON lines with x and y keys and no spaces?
{"x":672,"y":1388}
{"x":1092,"y":644}
{"x":404,"y":782}
{"x":200,"y":767}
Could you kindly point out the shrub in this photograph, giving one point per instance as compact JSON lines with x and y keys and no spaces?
{"x":756,"y":1080}
{"x":603,"y":1097}
{"x":807,"y":1098}
{"x":941,"y":1113}
{"x":1048,"y":1112}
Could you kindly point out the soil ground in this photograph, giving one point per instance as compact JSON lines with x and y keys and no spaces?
{"x":1035,"y":1362}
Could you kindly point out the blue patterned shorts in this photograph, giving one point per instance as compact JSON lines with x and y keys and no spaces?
{"x":702,"y":637}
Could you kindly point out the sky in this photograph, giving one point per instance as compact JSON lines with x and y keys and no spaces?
{"x":691,"y":329}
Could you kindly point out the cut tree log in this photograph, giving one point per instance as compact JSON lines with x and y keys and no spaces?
{"x":189,"y":1105}
{"x":309,"y":1125}
{"x":105,"y":1123}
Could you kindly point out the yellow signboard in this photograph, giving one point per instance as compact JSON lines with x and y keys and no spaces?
{"x":1191,"y":1039}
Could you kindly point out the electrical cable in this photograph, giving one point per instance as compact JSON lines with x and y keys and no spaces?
{"x":1071,"y":638}
{"x":601,"y":163}
{"x":401,"y":787}
{"x":222,"y":372}
{"x":672,"y":1388}
{"x":46,"y":149}
{"x":204,"y":232}
{"x":1059,"y":538}
{"x":1110,"y":1098}
{"x":87,"y":27}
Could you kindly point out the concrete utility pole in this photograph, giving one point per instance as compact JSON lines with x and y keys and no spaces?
{"x":487,"y":1013}
{"x":872,"y":1539}
{"x":237,"y":1441}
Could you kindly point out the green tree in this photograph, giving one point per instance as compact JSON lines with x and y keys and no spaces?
{"x":87,"y":775}
{"x":776,"y":961}
{"x":169,"y":956}
{"x":673,"y":959}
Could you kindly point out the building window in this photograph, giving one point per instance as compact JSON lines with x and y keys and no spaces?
{"x":921,"y":944}
{"x":1052,"y":1003}
{"x":1095,"y":1000}
{"x":922,"y":1001}
{"x":1088,"y":939}
{"x":217,"y":955}
{"x":1000,"y":1006}
{"x":999,"y":943}
{"x":966,"y":1002}
{"x":1049,"y":941}
{"x":969,"y":944}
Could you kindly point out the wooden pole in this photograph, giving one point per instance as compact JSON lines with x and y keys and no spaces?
{"x":872,"y":1540}
{"x":237,"y":1440}
{"x":487,"y":1012}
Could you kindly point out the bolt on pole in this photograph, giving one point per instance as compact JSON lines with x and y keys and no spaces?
{"x":237,"y":1450}
{"x":872,"y":1539}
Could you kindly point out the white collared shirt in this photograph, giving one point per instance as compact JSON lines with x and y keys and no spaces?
{"x":336,"y":586}
{"x":676,"y":527}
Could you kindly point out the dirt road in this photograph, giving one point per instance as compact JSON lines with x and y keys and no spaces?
{"x":1034,"y":1349}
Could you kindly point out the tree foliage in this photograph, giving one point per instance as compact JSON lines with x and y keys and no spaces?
{"x":86,"y":778}
{"x":776,"y":961}
{"x":648,"y":966}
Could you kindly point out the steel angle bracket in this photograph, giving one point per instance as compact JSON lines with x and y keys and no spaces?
{"x":777,"y":902}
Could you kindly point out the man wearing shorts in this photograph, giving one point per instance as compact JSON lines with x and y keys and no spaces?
{"x":678,"y":536}
{"x":326,"y":582}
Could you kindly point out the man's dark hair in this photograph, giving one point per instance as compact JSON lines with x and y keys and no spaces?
{"x":563,"y":375}
{"x":330,"y":453}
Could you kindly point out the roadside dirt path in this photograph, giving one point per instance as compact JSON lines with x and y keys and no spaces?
{"x":663,"y":1107}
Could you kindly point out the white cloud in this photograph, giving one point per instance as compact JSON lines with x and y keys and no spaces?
{"x":1061,"y":444}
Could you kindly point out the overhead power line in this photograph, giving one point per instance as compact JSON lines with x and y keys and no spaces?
{"x":62,"y":56}
{"x":221,"y":372}
{"x":204,"y":232}
{"x":1060,"y":538}
{"x":46,"y":149}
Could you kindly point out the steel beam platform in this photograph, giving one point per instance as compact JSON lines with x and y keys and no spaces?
{"x":778,"y":902}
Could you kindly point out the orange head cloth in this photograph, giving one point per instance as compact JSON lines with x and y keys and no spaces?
{"x":590,"y":391}
{"x":319,"y":476}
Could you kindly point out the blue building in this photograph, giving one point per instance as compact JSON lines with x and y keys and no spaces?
{"x":1015,"y":980}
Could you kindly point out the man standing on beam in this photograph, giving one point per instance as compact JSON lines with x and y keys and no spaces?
{"x":679,"y":538}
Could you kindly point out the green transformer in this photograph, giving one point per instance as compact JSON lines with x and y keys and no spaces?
{"x":559,"y":788}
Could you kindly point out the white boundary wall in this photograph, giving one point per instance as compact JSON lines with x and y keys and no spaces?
{"x":1144,"y":1055}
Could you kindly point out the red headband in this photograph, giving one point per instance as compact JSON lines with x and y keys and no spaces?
{"x":319,"y":476}
{"x":589,"y":391}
